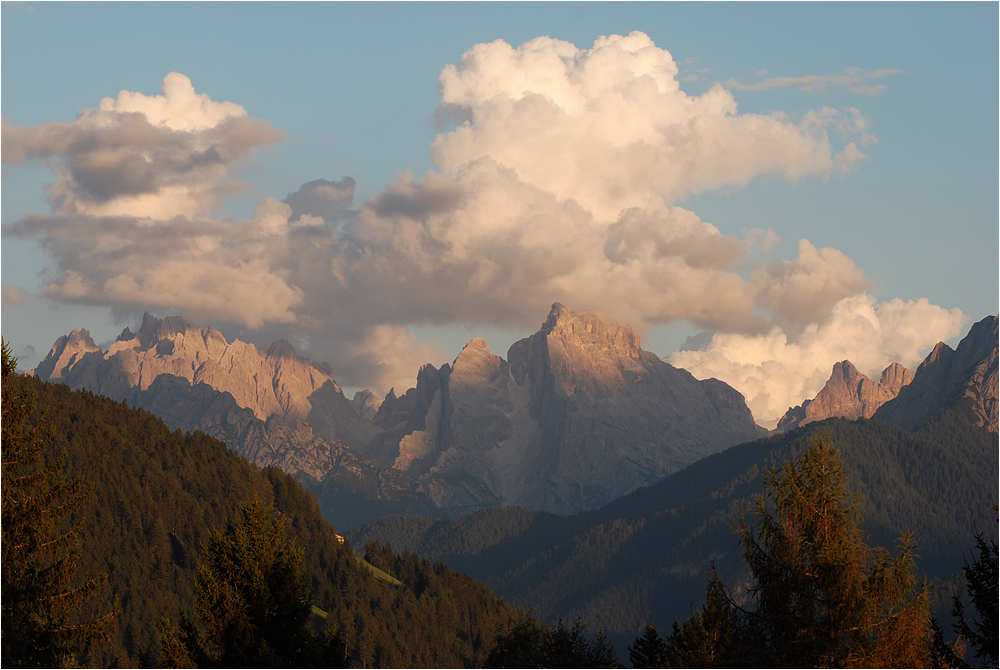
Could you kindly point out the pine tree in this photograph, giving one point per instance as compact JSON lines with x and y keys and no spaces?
{"x":714,"y":637}
{"x":40,"y":556}
{"x":253,"y":604}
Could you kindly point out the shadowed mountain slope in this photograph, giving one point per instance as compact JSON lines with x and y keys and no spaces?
{"x":157,"y":496}
{"x":947,"y":375}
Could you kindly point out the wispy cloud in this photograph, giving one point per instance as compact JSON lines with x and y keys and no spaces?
{"x":853,"y":79}
{"x":11,"y":295}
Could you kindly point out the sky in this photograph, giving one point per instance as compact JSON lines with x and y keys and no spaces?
{"x":760,"y":190}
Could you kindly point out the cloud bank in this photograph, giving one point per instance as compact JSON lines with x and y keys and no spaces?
{"x":558,"y":183}
{"x":775,"y":373}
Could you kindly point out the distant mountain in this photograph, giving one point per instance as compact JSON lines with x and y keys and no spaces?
{"x":577,"y":416}
{"x":642,"y":558}
{"x":273,"y":407}
{"x":947,"y":375}
{"x":849,"y":394}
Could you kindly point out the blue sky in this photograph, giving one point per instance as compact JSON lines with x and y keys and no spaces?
{"x":355,"y":87}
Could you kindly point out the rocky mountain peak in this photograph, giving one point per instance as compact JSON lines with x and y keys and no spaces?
{"x":848,"y":394}
{"x":948,"y":375}
{"x":476,"y":364}
{"x":895,"y":377}
{"x":577,"y":415}
{"x":366,"y":404}
{"x":591,"y":332}
{"x":273,"y":382}
{"x":282,"y":349}
{"x":586,"y":352}
{"x":66,"y":352}
{"x":153,"y":330}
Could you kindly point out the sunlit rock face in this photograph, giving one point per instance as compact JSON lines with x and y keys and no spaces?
{"x":848,"y":394}
{"x":577,"y":416}
{"x":275,"y":382}
{"x":272,"y":407}
{"x":947,"y":376}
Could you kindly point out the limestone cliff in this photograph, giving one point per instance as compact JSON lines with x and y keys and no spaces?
{"x":848,"y":394}
{"x":273,"y":407}
{"x":577,"y":415}
{"x":948,"y":375}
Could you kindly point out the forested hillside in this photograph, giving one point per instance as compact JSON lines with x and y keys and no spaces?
{"x":158,"y":494}
{"x":643,"y":557}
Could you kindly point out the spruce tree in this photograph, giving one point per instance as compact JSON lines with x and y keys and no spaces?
{"x":40,"y":555}
{"x":981,"y":582}
{"x":252,"y":602}
{"x":533,"y":644}
{"x":649,"y":650}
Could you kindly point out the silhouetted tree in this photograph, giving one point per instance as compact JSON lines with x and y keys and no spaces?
{"x":981,"y":582}
{"x":649,"y":650}
{"x":40,"y":556}
{"x":252,"y":603}
{"x":533,"y":644}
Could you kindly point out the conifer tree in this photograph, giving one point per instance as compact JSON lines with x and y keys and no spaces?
{"x":981,"y":581}
{"x":824,"y":597}
{"x":533,"y":644}
{"x":253,"y":604}
{"x":40,"y":556}
{"x":714,"y":637}
{"x":649,"y":650}
{"x":820,"y":596}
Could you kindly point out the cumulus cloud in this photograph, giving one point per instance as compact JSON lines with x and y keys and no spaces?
{"x":775,"y":372}
{"x":610,"y":127}
{"x":151,"y":157}
{"x":804,"y":291}
{"x":559,"y":183}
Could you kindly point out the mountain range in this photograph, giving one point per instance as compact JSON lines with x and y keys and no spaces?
{"x":924,"y":460}
{"x":576,"y":416}
{"x":643,"y":557}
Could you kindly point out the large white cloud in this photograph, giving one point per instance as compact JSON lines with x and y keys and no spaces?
{"x":774,"y":372}
{"x":610,"y":127}
{"x":560,"y":185}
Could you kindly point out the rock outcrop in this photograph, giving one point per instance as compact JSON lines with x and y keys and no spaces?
{"x":366,"y":404}
{"x":848,"y":394}
{"x":577,"y":415}
{"x":947,"y":376}
{"x":273,"y":407}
